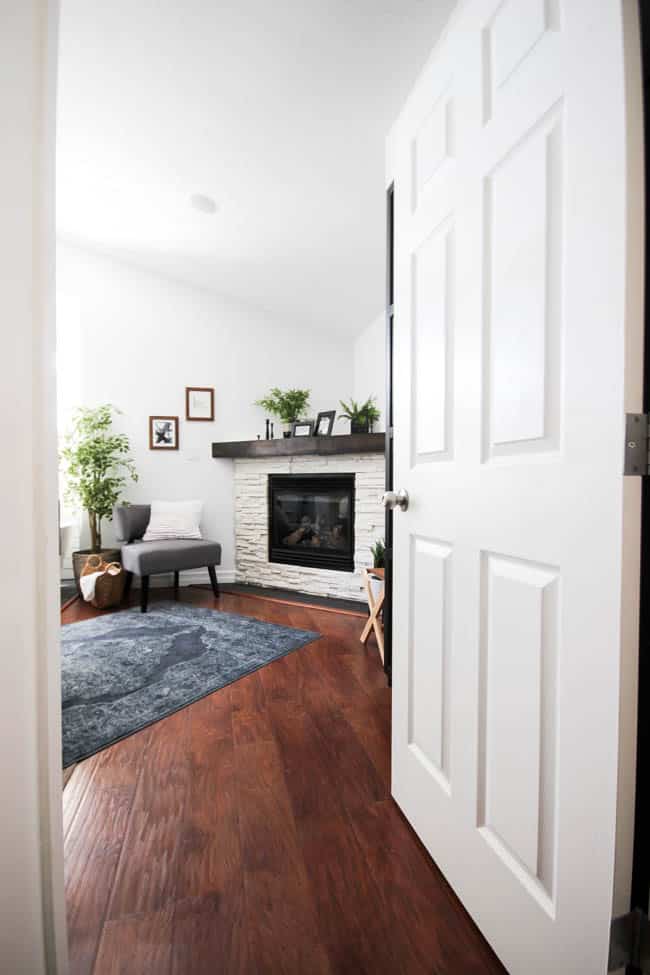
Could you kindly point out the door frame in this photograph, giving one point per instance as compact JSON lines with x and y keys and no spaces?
{"x":388,"y":526}
{"x":640,"y":892}
{"x":35,"y":933}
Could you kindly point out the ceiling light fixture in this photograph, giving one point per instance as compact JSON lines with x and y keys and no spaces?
{"x":202,"y":203}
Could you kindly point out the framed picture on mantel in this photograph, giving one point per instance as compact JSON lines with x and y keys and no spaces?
{"x":302,"y":428}
{"x":324,"y":423}
{"x":199,"y":403}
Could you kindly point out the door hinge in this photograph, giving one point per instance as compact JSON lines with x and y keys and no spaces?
{"x":629,"y":942}
{"x":637,"y":429}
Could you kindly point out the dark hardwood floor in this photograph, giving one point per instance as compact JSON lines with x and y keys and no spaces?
{"x":253,"y":832}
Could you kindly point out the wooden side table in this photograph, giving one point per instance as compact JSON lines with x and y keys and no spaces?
{"x":375,"y":606}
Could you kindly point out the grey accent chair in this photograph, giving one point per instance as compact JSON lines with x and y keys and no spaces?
{"x":145,"y":559}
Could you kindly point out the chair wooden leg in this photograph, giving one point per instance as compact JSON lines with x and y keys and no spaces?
{"x":144,"y":593}
{"x":176,"y":575}
{"x":213,"y":581}
{"x":127,"y":586}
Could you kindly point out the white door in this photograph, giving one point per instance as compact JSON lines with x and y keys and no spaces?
{"x":515,"y":228}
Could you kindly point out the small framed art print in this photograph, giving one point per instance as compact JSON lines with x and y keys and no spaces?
{"x":199,"y":403}
{"x":163,"y":433}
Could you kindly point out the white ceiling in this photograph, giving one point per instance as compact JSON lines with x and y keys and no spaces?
{"x":277,"y":109}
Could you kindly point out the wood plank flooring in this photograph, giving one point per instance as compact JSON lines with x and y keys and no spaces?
{"x":253,"y":832}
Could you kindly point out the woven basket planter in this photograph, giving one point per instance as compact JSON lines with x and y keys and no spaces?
{"x":79,"y":560}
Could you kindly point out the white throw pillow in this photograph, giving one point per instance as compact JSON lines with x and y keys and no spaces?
{"x":174,"y":519}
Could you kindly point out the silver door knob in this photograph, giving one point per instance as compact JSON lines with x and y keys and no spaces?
{"x":395,"y":499}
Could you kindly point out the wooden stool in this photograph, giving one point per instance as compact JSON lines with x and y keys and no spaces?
{"x":375,"y":607}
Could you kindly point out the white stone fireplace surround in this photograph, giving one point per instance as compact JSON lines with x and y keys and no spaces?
{"x":252,"y":519}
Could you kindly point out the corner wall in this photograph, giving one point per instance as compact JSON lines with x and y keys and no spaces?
{"x":144,"y":338}
{"x":370,"y":366}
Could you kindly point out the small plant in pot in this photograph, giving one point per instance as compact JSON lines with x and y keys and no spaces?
{"x":96,"y":465}
{"x":288,"y":405}
{"x":361,"y":416}
{"x":378,"y":552}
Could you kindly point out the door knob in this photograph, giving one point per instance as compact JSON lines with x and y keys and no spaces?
{"x":395,"y":499}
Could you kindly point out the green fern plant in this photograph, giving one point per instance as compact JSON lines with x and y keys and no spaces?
{"x":287,"y":405}
{"x":378,"y":551}
{"x":361,"y":416}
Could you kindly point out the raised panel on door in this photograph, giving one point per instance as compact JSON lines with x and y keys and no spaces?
{"x":432,"y":146}
{"x":522,"y":254}
{"x":509,"y":38}
{"x":430,"y":658}
{"x":518,"y":718}
{"x":432,"y":346}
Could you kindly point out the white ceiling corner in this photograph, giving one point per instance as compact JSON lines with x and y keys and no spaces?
{"x":278,"y":110}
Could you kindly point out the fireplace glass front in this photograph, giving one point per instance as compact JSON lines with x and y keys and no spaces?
{"x":311,"y":520}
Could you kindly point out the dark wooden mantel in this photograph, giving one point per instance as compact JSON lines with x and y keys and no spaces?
{"x":354,"y":443}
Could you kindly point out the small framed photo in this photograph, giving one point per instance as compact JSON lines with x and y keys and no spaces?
{"x":199,"y":403}
{"x":163,"y":433}
{"x":325,"y":423}
{"x":302,"y":428}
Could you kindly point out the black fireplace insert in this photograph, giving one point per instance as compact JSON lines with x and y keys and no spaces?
{"x":311,"y":520}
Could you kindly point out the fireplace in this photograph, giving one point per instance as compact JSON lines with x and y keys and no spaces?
{"x":311,"y":520}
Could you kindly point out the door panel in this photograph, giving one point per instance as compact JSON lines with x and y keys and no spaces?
{"x":523,"y":261}
{"x":518,"y":693}
{"x":433,"y":287}
{"x":429,"y":689}
{"x":512,"y":290}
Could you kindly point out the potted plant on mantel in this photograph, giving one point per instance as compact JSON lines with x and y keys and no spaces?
{"x":361,"y":417}
{"x":96,"y":465}
{"x":288,"y":405}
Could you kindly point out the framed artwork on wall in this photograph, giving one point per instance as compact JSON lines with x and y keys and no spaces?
{"x":324,"y":423}
{"x":199,"y":403}
{"x":163,"y":433}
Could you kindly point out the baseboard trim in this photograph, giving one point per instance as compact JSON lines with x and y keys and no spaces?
{"x":286,"y":597}
{"x":314,"y":606}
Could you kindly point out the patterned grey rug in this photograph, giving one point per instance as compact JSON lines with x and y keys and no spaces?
{"x":125,"y":670}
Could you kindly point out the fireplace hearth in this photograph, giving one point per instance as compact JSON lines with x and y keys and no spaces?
{"x":311,"y":520}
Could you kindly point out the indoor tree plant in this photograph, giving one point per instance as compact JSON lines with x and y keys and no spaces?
{"x":361,"y":416}
{"x":95,"y":465}
{"x":288,"y":405}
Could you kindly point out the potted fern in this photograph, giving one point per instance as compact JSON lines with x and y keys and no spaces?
{"x":95,"y":465}
{"x":288,"y":405}
{"x":378,"y":552}
{"x":362,"y":416}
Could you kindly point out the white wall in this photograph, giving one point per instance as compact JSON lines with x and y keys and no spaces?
{"x":32,"y":919}
{"x":370,"y":366}
{"x":144,"y":338}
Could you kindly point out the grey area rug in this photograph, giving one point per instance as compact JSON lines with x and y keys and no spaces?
{"x":125,"y":670}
